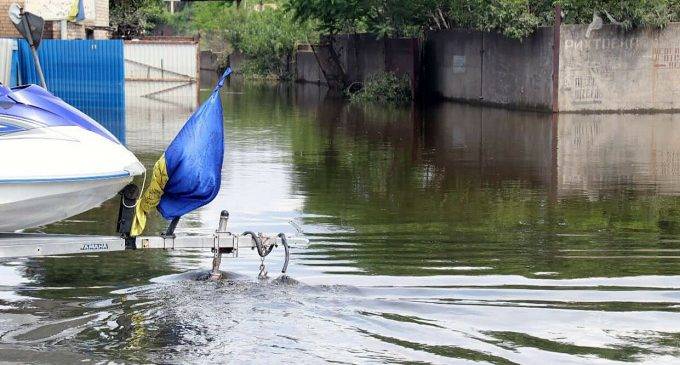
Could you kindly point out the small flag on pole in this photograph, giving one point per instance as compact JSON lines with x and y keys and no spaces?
{"x":76,"y":12}
{"x":187,"y":176}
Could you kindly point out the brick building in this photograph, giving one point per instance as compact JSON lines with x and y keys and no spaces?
{"x":94,"y":26}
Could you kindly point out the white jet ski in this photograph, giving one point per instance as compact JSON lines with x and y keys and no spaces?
{"x":55,"y":161}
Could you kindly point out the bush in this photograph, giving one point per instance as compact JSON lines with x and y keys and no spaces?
{"x":513,"y":18}
{"x":628,"y":13}
{"x":384,"y":87}
{"x":134,"y":18}
{"x":267,"y":38}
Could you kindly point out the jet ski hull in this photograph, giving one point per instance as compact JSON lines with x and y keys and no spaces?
{"x":55,"y":162}
{"x":36,"y":203}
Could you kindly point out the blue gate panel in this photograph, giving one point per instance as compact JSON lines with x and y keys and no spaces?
{"x":88,"y":74}
{"x":14,"y":78}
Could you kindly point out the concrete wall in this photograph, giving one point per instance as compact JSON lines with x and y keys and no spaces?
{"x":616,"y":70}
{"x":209,"y":69}
{"x":611,"y":70}
{"x":360,"y":56}
{"x":403,"y":57}
{"x":208,"y":61}
{"x":518,"y":73}
{"x":453,"y":65}
{"x":236,"y":61}
{"x":96,"y":12}
{"x":307,"y":67}
{"x":485,"y":67}
{"x":329,"y":66}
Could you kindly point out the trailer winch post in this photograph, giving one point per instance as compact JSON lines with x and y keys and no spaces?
{"x":215,"y":273}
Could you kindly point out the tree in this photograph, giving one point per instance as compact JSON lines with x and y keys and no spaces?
{"x":267,"y":36}
{"x":132,"y":18}
{"x":513,"y":18}
{"x":626,"y":13}
{"x":383,"y":17}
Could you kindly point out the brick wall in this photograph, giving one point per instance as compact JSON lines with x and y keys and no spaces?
{"x":102,"y":34}
{"x":7,"y":29}
{"x":75,"y":30}
{"x":102,"y":13}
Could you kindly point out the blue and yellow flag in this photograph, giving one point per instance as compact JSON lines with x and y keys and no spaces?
{"x":187,"y":175}
{"x":76,"y":12}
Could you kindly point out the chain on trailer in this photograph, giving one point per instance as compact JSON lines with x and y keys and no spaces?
{"x":264,"y":245}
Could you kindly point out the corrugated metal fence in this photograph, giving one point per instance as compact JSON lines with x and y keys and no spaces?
{"x":113,"y":82}
{"x":88,"y":74}
{"x":164,"y":70}
{"x":9,"y":62}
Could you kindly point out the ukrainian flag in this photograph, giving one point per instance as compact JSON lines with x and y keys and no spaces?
{"x":187,"y":175}
{"x":76,"y":12}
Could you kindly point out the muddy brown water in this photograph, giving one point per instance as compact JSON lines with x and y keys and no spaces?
{"x":451,"y":234}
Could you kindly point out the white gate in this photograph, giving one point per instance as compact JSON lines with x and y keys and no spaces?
{"x":161,"y":71}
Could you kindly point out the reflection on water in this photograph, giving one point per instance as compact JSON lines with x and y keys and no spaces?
{"x":446,"y":233}
{"x":596,"y":153}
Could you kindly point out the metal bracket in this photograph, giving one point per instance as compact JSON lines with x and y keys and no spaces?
{"x":126,"y":213}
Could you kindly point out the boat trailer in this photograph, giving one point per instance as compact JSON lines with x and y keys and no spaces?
{"x":221,"y":242}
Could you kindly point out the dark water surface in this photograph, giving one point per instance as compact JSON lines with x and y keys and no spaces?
{"x":453,"y":234}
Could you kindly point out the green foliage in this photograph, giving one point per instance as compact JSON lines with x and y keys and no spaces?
{"x":181,"y":21}
{"x":384,"y":18}
{"x":628,"y":13}
{"x":132,"y":18}
{"x":339,"y":16}
{"x":264,"y":33}
{"x":513,"y":18}
{"x":267,"y":35}
{"x":267,"y":38}
{"x":384,"y":87}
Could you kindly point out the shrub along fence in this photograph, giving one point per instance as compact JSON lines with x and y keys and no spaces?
{"x":357,"y":57}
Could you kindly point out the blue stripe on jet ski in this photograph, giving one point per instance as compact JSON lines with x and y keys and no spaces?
{"x":7,"y":128}
{"x":63,"y":179}
{"x":34,"y":96}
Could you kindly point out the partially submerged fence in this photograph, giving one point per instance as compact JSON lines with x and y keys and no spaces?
{"x":164,"y":69}
{"x":88,"y":74}
{"x":568,"y":70}
{"x":565,"y":68}
{"x":489,"y":68}
{"x":110,"y":80}
{"x":344,"y":59}
{"x":616,"y":70}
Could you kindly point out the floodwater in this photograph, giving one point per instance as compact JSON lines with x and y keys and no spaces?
{"x":451,"y":234}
